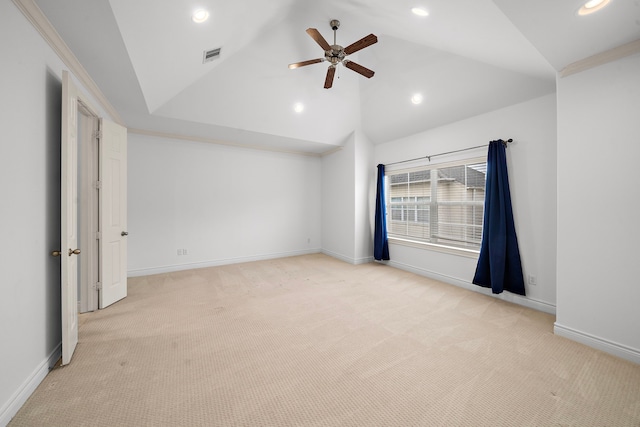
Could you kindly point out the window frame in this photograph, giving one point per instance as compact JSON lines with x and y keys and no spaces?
{"x":413,"y":207}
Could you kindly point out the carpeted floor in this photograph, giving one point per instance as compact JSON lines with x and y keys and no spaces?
{"x":313,"y":341}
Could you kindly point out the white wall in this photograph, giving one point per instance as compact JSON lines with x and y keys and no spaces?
{"x":30,"y":115}
{"x":599,"y":207}
{"x":338,"y":208}
{"x":223,"y":204}
{"x":347,"y":178}
{"x":364,"y":198}
{"x":531,"y":161}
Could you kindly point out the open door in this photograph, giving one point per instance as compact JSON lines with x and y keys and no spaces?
{"x":113,"y":213}
{"x":69,"y":213}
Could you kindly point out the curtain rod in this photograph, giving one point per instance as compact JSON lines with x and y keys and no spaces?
{"x":449,"y":152}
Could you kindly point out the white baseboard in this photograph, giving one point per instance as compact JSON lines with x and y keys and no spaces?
{"x":364,"y":260}
{"x":336,"y":255}
{"x":216,"y":263}
{"x":347,"y":259}
{"x":10,"y":408}
{"x":505,"y":296}
{"x":602,"y":344}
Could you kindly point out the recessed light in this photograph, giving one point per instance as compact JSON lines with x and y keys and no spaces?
{"x":199,"y":16}
{"x":592,"y":6}
{"x":419,"y":11}
{"x":298,"y":107}
{"x":417,"y":98}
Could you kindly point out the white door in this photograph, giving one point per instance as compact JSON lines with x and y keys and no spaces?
{"x":69,"y":214}
{"x":113,"y":213}
{"x":112,"y":261}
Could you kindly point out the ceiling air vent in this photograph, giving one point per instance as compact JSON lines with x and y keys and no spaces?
{"x":210,"y":55}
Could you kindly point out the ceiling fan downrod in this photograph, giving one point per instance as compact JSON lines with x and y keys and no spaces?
{"x":335,"y":24}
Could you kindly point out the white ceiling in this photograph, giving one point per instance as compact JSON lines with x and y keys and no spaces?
{"x":467,"y":57}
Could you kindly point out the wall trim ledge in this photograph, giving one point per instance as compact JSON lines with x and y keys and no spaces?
{"x":601,"y":58}
{"x":505,"y":296}
{"x":619,"y":350}
{"x":215,"y":263}
{"x":13,"y":405}
{"x":168,"y":135}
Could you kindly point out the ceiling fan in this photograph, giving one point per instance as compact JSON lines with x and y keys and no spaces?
{"x":336,"y":54}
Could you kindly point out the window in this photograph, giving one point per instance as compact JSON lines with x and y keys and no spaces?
{"x":441,"y":204}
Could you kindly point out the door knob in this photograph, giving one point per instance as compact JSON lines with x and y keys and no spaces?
{"x":124,"y":233}
{"x":74,"y":252}
{"x":56,"y":253}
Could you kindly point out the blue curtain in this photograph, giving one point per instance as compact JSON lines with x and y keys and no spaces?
{"x":380,"y":244}
{"x":499,"y":266}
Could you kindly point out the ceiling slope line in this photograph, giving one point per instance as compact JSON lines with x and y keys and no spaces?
{"x":219,"y":142}
{"x":40,"y":22}
{"x":601,"y":58}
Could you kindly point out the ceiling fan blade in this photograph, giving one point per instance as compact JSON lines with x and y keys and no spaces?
{"x":303,"y":63}
{"x":329,"y":80}
{"x":361,"y":44}
{"x":358,"y":69}
{"x":315,"y":34}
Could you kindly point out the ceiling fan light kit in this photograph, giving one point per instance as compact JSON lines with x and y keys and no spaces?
{"x":336,"y":54}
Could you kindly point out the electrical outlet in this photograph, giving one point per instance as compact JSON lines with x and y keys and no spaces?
{"x":184,"y":252}
{"x":532,"y":280}
{"x":179,"y":252}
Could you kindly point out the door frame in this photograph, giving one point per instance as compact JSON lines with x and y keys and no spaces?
{"x":88,"y":197}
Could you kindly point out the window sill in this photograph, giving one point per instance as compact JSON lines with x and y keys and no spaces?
{"x":467,"y":253}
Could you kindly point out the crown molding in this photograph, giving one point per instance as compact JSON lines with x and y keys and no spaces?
{"x":601,"y":58}
{"x":219,"y":142}
{"x":40,"y":22}
{"x":331,"y":151}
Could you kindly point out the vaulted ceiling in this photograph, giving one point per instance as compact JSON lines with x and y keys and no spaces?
{"x":466,"y":57}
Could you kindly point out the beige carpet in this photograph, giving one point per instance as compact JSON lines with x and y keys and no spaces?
{"x":313,"y":341}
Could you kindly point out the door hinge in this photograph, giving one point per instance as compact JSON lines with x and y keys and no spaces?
{"x":97,"y":134}
{"x":98,"y":286}
{"x":98,"y":235}
{"x":98,"y":185}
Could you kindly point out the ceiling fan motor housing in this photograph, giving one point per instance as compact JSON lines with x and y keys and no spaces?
{"x":335,"y":55}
